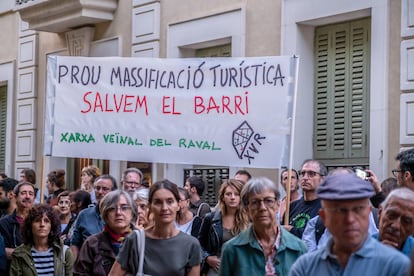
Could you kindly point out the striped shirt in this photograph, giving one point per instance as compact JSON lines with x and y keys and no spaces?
{"x":43,"y":261}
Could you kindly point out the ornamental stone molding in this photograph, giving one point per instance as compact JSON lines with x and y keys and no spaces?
{"x":79,"y":41}
{"x":63,"y":15}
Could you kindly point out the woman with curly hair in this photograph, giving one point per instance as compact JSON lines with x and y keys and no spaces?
{"x":42,"y":252}
{"x":222,"y":225}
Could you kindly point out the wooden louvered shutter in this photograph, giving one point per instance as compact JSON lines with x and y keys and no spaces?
{"x":341,"y":114}
{"x":359,"y":88}
{"x":3,"y":120}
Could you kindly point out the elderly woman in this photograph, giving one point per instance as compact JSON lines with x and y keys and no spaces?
{"x":141,"y":199}
{"x":243,"y":255}
{"x":98,"y":252}
{"x":42,"y":251}
{"x":168,"y":251}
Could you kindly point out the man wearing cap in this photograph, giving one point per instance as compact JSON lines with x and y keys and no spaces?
{"x":350,"y":251}
{"x":396,"y":214}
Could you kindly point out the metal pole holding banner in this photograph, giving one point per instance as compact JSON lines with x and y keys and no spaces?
{"x":295,"y":66}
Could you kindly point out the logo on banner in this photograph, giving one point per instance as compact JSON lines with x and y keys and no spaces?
{"x":246,"y":142}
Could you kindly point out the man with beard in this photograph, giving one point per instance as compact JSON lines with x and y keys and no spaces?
{"x":7,"y":199}
{"x":10,"y":224}
{"x":132,"y":180}
{"x":301,"y":211}
{"x":405,"y":169}
{"x":396,"y":215}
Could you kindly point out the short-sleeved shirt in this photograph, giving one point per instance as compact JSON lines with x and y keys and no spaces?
{"x":301,"y":212}
{"x":174,"y":256}
{"x":373,"y":258}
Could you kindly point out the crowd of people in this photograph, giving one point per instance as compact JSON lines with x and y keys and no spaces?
{"x":331,"y":222}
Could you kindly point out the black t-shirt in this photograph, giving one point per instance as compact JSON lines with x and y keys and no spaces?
{"x":300,"y":213}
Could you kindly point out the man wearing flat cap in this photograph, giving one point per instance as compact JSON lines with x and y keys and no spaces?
{"x":351,"y":250}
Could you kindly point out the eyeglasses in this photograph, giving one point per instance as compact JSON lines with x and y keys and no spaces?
{"x":269,"y":202}
{"x":311,"y":174}
{"x":132,"y":183}
{"x":357,"y":210}
{"x":123,"y":208}
{"x":395,"y":172}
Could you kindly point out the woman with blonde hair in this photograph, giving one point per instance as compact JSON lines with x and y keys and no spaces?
{"x":88,"y":176}
{"x":222,"y":225}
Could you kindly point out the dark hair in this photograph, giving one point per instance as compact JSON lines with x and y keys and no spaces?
{"x":164,"y":184}
{"x":16,"y":189}
{"x":388,"y":185}
{"x":110,"y":177}
{"x":287,"y":170}
{"x":323,"y":171}
{"x":3,"y":175}
{"x":145,"y":182}
{"x":406,"y":159}
{"x":82,"y":196}
{"x":30,"y":175}
{"x":244,"y":172}
{"x":198,"y":183}
{"x":57,"y":177}
{"x":8,"y":184}
{"x":35,"y":213}
{"x":184,"y":191}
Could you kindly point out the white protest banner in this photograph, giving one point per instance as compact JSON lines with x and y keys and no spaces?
{"x":212,"y":111}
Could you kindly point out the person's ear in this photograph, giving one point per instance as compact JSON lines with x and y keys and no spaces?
{"x":407,"y":176}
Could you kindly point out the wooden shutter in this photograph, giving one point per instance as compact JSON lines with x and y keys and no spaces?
{"x":3,"y":121}
{"x":341,"y":113}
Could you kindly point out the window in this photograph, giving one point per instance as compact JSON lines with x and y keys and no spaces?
{"x":341,"y":110}
{"x":216,"y":51}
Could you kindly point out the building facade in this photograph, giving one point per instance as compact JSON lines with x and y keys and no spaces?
{"x":355,"y":101}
